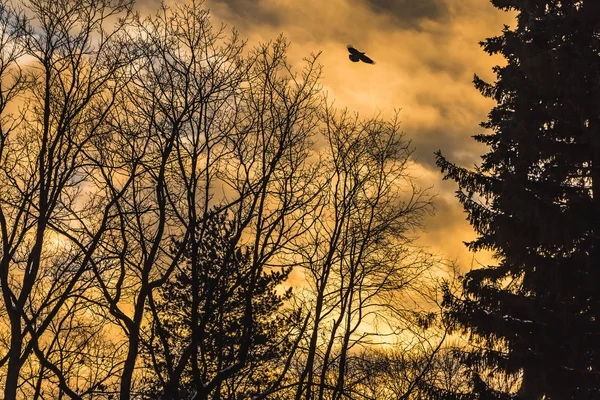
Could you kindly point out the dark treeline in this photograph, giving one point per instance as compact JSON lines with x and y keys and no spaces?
{"x":183,"y":216}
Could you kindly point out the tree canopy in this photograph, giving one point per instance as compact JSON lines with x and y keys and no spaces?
{"x":535,"y":202}
{"x":163,"y":184}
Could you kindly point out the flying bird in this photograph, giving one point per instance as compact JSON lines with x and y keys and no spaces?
{"x":356,"y":56}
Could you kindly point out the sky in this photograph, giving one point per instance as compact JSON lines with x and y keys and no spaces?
{"x":426,"y":52}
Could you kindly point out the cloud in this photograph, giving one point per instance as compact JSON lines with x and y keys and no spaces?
{"x":408,"y":14}
{"x":250,"y":11}
{"x":426,"y":52}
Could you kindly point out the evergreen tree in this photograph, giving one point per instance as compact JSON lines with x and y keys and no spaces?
{"x":535,"y":202}
{"x":222,"y":284}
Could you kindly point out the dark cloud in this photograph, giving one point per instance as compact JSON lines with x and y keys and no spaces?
{"x":148,"y":7}
{"x":456,"y":146}
{"x":409,"y":13}
{"x":250,"y":11}
{"x":448,"y":214}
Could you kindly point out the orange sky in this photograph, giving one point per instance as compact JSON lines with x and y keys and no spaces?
{"x":426,"y":53}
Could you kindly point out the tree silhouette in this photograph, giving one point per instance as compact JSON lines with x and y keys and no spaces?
{"x":222,"y":284}
{"x":535,"y":202}
{"x":159,"y":180}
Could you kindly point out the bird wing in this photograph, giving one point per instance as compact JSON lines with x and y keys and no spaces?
{"x":352,"y":50}
{"x":366,"y":59}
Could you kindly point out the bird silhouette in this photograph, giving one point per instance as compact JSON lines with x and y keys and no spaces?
{"x":356,"y":56}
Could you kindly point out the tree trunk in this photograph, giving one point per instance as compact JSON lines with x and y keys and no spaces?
{"x":129,"y":366}
{"x":14,"y":354}
{"x":134,"y":345}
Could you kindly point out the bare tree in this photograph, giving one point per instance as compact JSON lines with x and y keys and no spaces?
{"x":13,"y":83}
{"x":357,"y":256}
{"x":198,"y":126}
{"x":72,"y":69}
{"x":158,"y":141}
{"x":121,"y":139}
